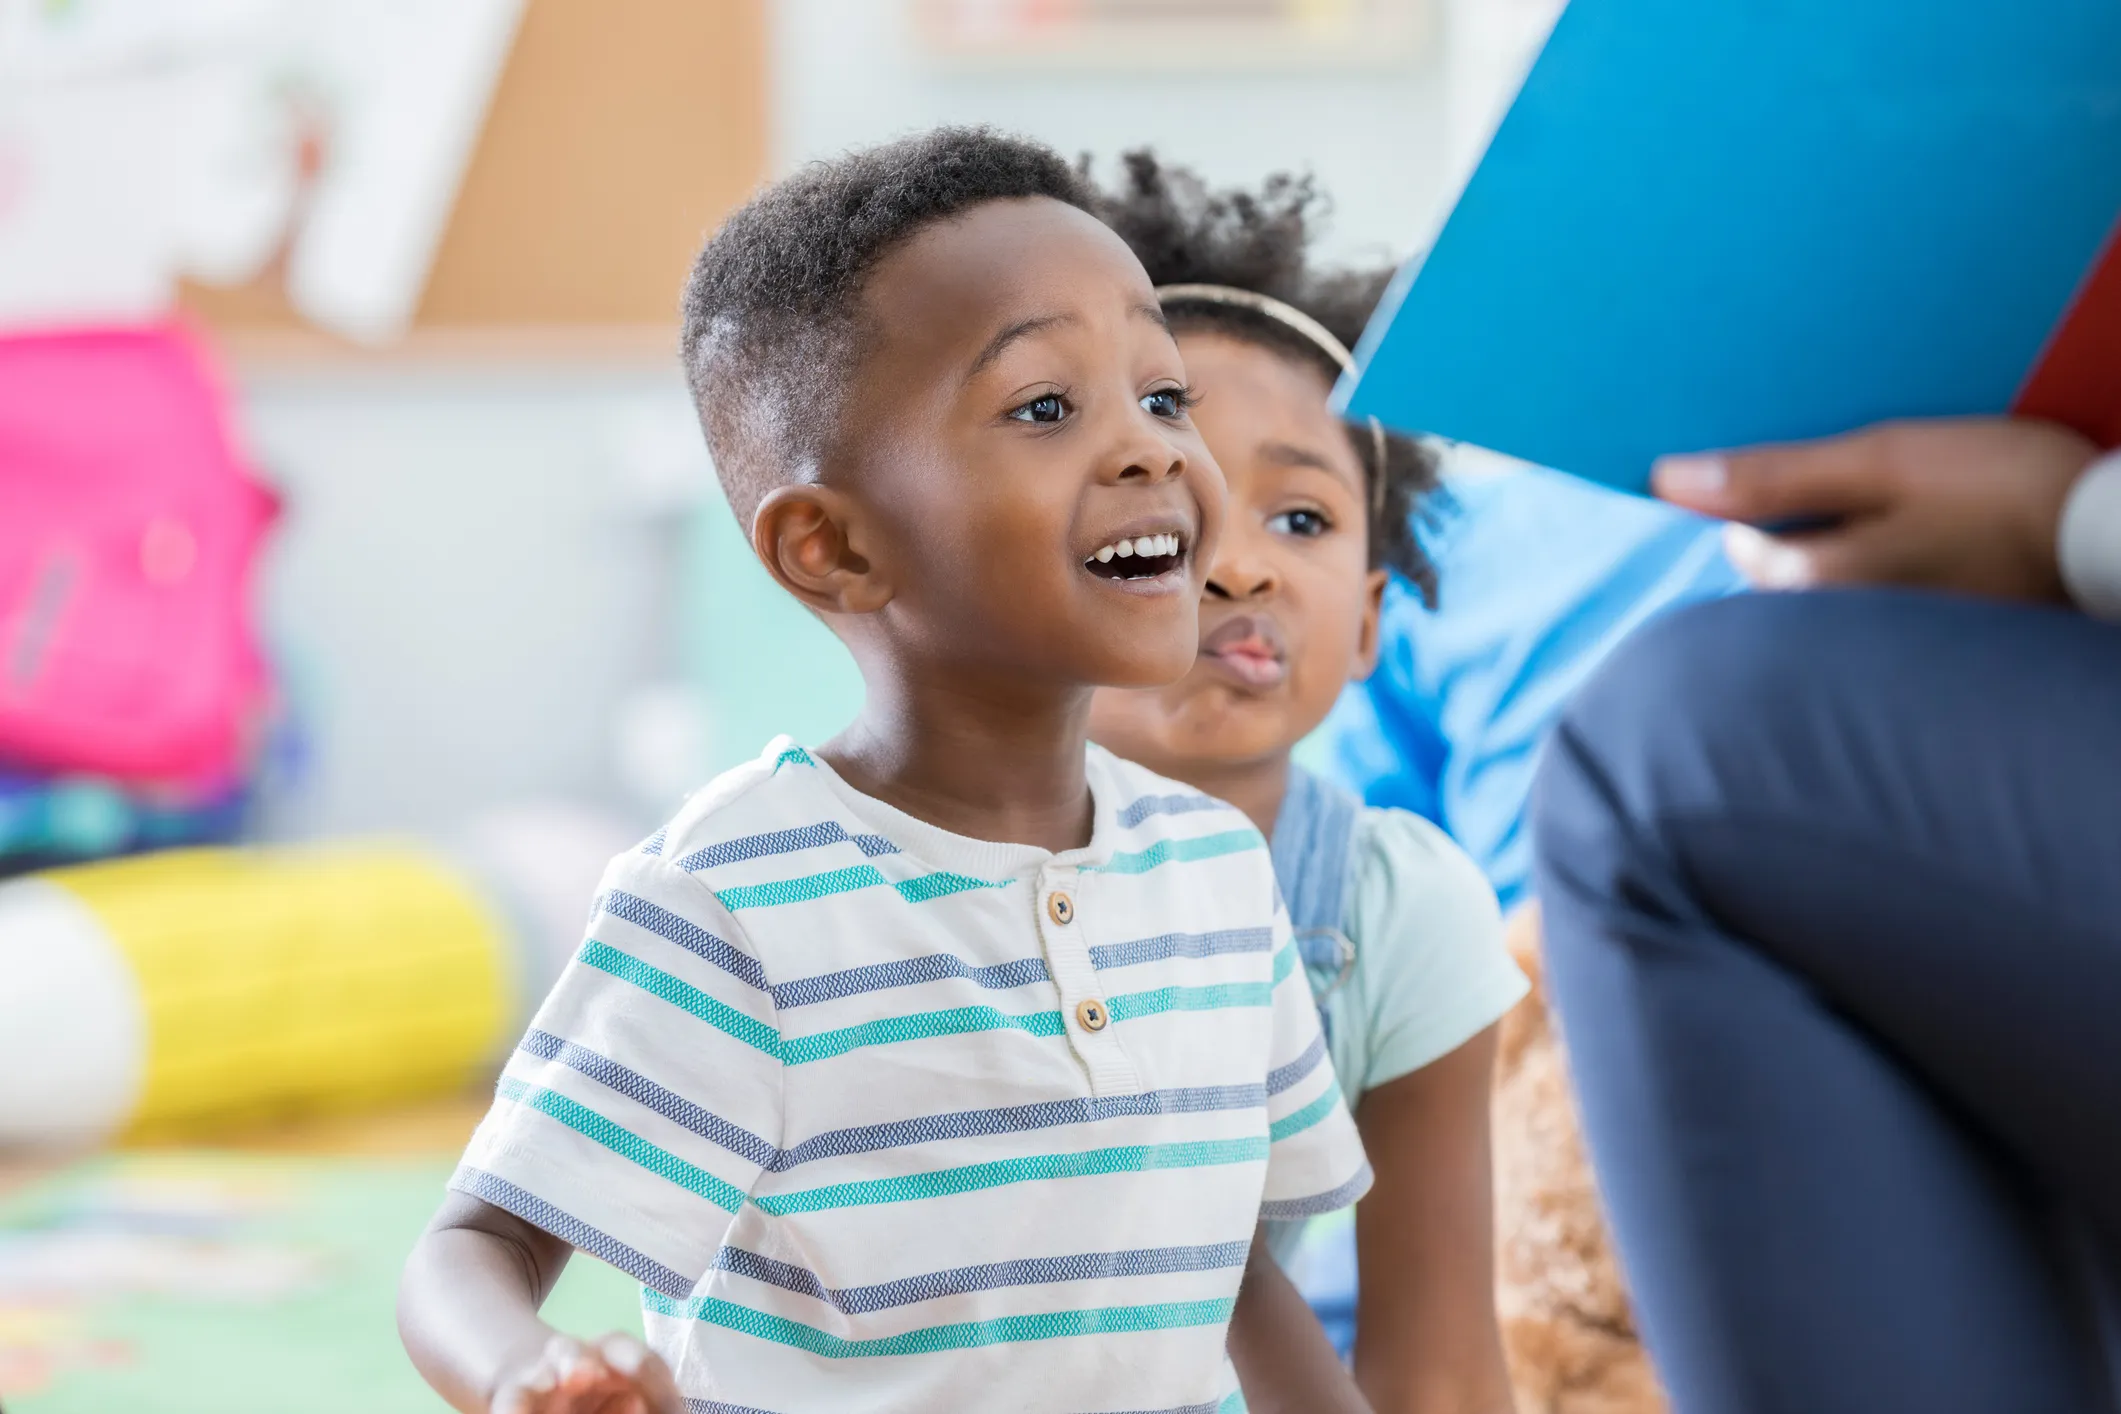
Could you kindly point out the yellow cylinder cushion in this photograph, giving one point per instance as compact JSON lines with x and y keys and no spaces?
{"x":277,"y":982}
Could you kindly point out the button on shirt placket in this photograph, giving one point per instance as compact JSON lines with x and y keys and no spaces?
{"x":1086,"y":1016}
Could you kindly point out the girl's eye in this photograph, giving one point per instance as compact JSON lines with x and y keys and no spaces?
{"x":1306,"y":524}
{"x":1166,"y":403}
{"x":1050,"y":407}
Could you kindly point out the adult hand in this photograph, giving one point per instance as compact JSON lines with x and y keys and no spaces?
{"x":1969,"y":504}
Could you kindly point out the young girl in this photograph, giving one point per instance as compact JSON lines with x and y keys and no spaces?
{"x":1402,"y":939}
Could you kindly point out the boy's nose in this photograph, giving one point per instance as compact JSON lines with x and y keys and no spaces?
{"x":1144,"y":456}
{"x":1150,"y":463}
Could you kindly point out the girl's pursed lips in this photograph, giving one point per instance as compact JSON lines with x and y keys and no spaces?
{"x":1250,"y":647}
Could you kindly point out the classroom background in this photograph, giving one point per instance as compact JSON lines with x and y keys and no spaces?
{"x":364,"y":583}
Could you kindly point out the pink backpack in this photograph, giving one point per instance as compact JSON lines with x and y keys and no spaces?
{"x":128,"y":527}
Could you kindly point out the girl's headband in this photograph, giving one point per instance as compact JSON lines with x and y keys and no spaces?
{"x":1287,"y":315}
{"x":1291,"y":318}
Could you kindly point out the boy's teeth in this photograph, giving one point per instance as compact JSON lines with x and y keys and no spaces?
{"x":1146,"y":546}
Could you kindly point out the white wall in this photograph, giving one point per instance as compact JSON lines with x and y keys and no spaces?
{"x":474,"y":578}
{"x":848,"y":72}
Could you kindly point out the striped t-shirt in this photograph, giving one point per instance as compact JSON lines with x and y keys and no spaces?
{"x":885,"y":1118}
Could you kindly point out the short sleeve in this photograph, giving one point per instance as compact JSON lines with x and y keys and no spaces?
{"x":1315,"y":1161}
{"x":1428,"y":939}
{"x":2088,"y":542}
{"x":644,"y":1101}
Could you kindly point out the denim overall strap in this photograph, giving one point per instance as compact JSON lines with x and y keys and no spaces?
{"x":1312,"y":837}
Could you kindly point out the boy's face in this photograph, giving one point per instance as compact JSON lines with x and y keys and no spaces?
{"x":1019,"y":412}
{"x":1290,"y":612}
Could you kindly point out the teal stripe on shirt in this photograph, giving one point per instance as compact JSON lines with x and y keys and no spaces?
{"x":920,"y":1026}
{"x":622,"y":1141}
{"x":1284,"y":962}
{"x":1180,"y":852}
{"x":955,"y":1021}
{"x":807,"y":887}
{"x":964,"y":1020}
{"x":929,"y":1340}
{"x":942,"y":884}
{"x":1131,"y":1005}
{"x":722,"y":1017}
{"x":1297,"y":1121}
{"x":1132,"y":1158}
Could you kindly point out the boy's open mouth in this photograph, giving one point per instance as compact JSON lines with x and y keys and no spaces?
{"x":1139,"y":557}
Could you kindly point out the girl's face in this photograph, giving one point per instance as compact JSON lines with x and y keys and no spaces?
{"x":1290,"y":610}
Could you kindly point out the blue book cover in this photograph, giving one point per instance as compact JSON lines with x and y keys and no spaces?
{"x":1704,"y":225}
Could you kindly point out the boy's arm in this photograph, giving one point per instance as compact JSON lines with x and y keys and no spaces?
{"x":1284,"y":1361}
{"x":1426,"y":1335}
{"x":468,"y":1314}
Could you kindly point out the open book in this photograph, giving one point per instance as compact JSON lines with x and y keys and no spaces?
{"x":1708,"y":225}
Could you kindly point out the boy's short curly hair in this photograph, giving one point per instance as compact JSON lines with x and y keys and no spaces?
{"x":772,"y":326}
{"x":1185,"y":233}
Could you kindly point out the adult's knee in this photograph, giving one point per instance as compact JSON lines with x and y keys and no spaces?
{"x":1672,"y":725}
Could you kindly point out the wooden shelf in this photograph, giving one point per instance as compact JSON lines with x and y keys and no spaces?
{"x":619,"y":135}
{"x":299,"y":349}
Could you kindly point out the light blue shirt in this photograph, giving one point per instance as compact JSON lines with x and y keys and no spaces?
{"x":1542,"y":574}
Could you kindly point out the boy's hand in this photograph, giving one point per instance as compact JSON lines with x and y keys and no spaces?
{"x":614,"y":1375}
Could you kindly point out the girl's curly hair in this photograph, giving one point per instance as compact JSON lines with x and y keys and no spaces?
{"x":1186,"y":233}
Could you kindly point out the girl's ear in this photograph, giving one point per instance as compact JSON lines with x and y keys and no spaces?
{"x":812,"y":541}
{"x":1373,"y":607}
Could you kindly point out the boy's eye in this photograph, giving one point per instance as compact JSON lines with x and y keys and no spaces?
{"x":1166,"y":403}
{"x":1049,"y":407}
{"x":1302,"y":523}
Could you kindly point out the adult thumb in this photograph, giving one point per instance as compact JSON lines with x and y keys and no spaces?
{"x":1838,"y":477}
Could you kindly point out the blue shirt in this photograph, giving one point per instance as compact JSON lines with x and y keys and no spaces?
{"x":1542,"y":574}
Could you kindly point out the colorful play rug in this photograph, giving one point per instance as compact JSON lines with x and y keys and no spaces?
{"x":225,"y":1282}
{"x":262,"y":1280}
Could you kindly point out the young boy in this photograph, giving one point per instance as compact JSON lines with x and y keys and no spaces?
{"x":949,"y":1065}
{"x":1401,"y":936}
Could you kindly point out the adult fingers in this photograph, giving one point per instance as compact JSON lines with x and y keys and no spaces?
{"x":1840,"y":477}
{"x":1865,"y":552}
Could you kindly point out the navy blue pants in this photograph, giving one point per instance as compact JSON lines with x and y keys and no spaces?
{"x":1832,"y":887}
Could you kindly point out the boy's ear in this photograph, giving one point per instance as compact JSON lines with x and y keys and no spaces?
{"x":812,"y":540}
{"x":1373,"y":608}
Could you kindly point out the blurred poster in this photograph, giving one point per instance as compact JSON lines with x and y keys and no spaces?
{"x":141,"y":140}
{"x":134,"y":142}
{"x":1180,"y":33}
{"x":403,"y":85}
{"x":45,"y":39}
